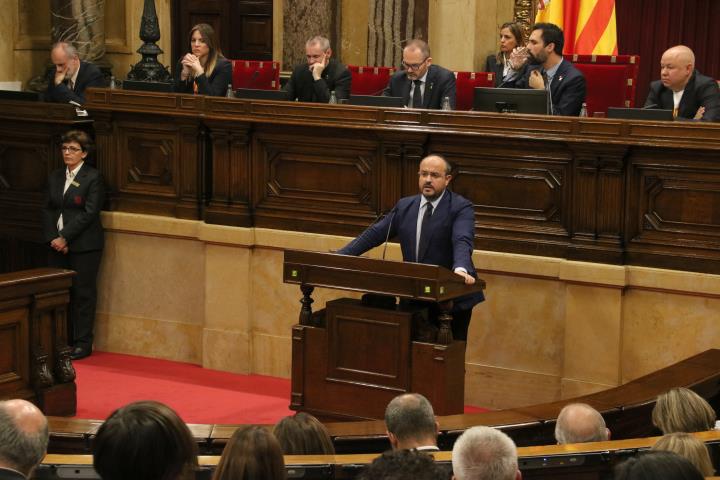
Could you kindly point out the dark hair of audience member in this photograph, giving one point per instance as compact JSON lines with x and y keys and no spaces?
{"x":252,"y":453}
{"x":516,"y":31}
{"x":682,"y":410}
{"x":144,"y":441}
{"x":687,"y":446}
{"x":404,"y":465}
{"x":303,"y":434}
{"x":655,"y":465}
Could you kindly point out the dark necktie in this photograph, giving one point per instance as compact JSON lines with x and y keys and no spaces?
{"x":424,"y":233}
{"x":417,"y":95}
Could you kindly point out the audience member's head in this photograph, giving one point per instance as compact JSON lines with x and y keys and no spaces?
{"x":252,"y":453}
{"x":579,"y":423}
{"x":303,"y":434}
{"x":545,"y":43}
{"x":410,"y":422}
{"x":416,"y":58}
{"x":144,"y":441}
{"x":66,"y":59}
{"x":687,"y":446}
{"x":656,"y":465}
{"x":317,"y":50}
{"x":682,"y":410}
{"x":23,"y":436}
{"x":484,"y":453}
{"x":404,"y":465}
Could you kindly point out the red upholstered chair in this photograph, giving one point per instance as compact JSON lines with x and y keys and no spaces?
{"x":465,"y":83}
{"x":611,"y":80}
{"x":263,"y":75}
{"x":369,"y":80}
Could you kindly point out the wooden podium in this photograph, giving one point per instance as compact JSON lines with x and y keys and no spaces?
{"x":351,"y":358}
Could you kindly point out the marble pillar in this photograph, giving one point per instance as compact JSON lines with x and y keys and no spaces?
{"x":391,"y":23}
{"x":303,"y":19}
{"x":82,"y":23}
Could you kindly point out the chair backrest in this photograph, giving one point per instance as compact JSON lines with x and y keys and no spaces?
{"x":257,"y":74}
{"x":369,"y":80}
{"x":611,"y":80}
{"x":465,"y":83}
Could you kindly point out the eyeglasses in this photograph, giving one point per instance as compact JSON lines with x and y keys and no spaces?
{"x":433,"y":175}
{"x":70,"y":149}
{"x":413,"y":66}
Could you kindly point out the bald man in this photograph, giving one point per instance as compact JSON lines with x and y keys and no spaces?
{"x":23,"y":439}
{"x":410,"y":423}
{"x":580,"y":423}
{"x":682,"y":89}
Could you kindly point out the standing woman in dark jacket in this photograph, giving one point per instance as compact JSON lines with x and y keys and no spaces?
{"x":511,"y":37}
{"x":72,"y":229}
{"x":204,"y":71}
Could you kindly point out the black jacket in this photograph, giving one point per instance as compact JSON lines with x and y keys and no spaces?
{"x":440,"y":83}
{"x":88,"y":76}
{"x":303,"y":87}
{"x":700,"y":91}
{"x":80,"y":207}
{"x":215,"y":86}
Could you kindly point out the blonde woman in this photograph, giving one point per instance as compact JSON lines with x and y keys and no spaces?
{"x":686,"y":445}
{"x":682,"y":410}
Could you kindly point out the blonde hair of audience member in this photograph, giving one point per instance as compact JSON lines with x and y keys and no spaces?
{"x":303,"y":434}
{"x":511,"y":37}
{"x":682,"y":410}
{"x":484,"y":453}
{"x":252,"y":453}
{"x":580,"y":423}
{"x":686,"y":445}
{"x":145,"y":440}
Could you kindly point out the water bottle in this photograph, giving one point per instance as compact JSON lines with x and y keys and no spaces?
{"x":583,"y":110}
{"x":229,"y":93}
{"x":113,"y":85}
{"x":446,"y":103}
{"x":333,"y":98}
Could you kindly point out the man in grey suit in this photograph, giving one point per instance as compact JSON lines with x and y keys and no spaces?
{"x":420,"y":83}
{"x":23,"y":439}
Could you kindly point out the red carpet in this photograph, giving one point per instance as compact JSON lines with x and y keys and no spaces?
{"x":106,"y":381}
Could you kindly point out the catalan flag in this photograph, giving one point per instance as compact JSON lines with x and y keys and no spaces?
{"x":589,"y":25}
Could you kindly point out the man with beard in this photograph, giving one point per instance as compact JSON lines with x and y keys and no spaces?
{"x":420,"y":83}
{"x":321,"y":75}
{"x":71,"y":76}
{"x":436,"y":227}
{"x":548,"y":70}
{"x":684,"y":90}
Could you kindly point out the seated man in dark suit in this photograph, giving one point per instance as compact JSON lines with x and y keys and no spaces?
{"x":436,"y":227}
{"x":420,"y":83}
{"x":683,"y":89}
{"x":72,"y":76}
{"x":547,"y":69}
{"x":313,"y":82}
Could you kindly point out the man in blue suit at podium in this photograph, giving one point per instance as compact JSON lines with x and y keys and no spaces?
{"x":436,"y":227}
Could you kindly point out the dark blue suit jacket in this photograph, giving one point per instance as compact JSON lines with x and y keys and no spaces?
{"x":440,"y":83}
{"x":88,"y":76}
{"x":567,"y":88}
{"x":452,"y":230}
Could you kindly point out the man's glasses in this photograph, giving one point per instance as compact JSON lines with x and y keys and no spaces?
{"x":70,"y":149}
{"x":413,"y":66}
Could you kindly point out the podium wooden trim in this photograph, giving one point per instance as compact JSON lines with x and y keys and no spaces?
{"x":350,"y":359}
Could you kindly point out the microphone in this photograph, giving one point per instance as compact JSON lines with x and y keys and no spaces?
{"x":387,"y":237}
{"x":253,"y":77}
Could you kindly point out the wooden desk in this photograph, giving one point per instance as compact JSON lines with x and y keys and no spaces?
{"x":603,"y":190}
{"x":35,"y":360}
{"x":595,"y":189}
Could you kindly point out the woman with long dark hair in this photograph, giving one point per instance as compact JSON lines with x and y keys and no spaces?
{"x":204,"y":70}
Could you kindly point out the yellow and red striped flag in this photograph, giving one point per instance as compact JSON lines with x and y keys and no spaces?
{"x":589,"y":25}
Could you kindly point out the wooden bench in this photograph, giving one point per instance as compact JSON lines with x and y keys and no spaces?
{"x":582,"y":461}
{"x":626,"y":410}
